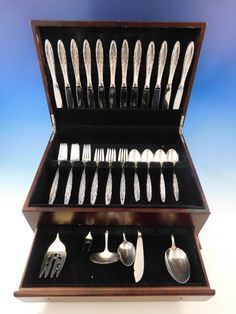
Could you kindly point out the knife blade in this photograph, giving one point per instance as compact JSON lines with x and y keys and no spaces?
{"x":161,"y":65}
{"x":112,"y":62}
{"x":124,"y":69}
{"x":100,"y":63}
{"x":51,"y":64}
{"x":139,"y":259}
{"x":137,"y":62}
{"x":63,"y":62}
{"x":173,"y":64}
{"x":149,"y":66}
{"x":186,"y":65}
{"x":87,"y":64}
{"x":75,"y":62}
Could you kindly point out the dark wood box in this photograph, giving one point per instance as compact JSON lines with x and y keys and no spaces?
{"x":137,"y":128}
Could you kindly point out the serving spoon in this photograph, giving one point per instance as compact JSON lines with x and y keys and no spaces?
{"x":173,"y":157}
{"x":134,"y":156}
{"x":147,"y":156}
{"x":126,"y":251}
{"x":160,"y":156}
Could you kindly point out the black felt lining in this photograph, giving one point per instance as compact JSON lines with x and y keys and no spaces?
{"x":80,"y":271}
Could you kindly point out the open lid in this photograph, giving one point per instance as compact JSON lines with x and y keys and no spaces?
{"x":159,"y":117}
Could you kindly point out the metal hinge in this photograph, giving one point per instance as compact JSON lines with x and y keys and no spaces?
{"x":53,"y":126}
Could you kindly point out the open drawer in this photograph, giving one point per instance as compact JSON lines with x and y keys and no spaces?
{"x":80,"y":278}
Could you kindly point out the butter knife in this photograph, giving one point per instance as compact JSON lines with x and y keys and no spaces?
{"x":51,"y":64}
{"x":137,"y":62}
{"x":100,"y":63}
{"x":139,"y":259}
{"x":63,"y":62}
{"x":187,"y":62}
{"x":173,"y":64}
{"x":75,"y":62}
{"x":112,"y":61}
{"x":87,"y":64}
{"x":149,"y":66}
{"x":161,"y":65}
{"x":124,"y":69}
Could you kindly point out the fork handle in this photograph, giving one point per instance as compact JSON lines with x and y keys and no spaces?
{"x":82,"y":188}
{"x":68,"y":187}
{"x":53,"y":191}
{"x":122,"y":187}
{"x":108,"y":193}
{"x":94,"y":188}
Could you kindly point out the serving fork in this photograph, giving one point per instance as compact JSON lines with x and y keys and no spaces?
{"x":54,"y":259}
{"x":110,"y":157}
{"x":122,"y":157}
{"x":62,"y":155}
{"x":98,"y":157}
{"x":86,"y":156}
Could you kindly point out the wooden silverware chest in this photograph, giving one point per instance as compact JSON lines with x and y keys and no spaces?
{"x":141,"y":127}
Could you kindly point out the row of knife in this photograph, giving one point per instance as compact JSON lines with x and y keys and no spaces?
{"x":126,"y":101}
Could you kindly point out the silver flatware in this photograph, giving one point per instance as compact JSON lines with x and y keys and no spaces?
{"x":105,"y":257}
{"x":86,"y":156}
{"x":137,"y":62}
{"x":160,"y":156}
{"x":177,"y":263}
{"x":187,"y":62}
{"x":63,"y":62}
{"x":87,"y":244}
{"x":161,"y":65}
{"x":172,"y":156}
{"x":98,"y":157}
{"x":75,"y":62}
{"x":51,"y":64}
{"x":88,"y":66}
{"x":124,"y":69}
{"x":122,"y":157}
{"x":139,"y":259}
{"x":110,"y":157}
{"x":112,"y":62}
{"x":147,"y":156}
{"x":126,"y":251}
{"x":100,"y":65}
{"x":149,"y":66}
{"x":173,"y":65}
{"x":134,"y":156}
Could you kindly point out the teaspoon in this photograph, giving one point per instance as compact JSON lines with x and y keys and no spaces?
{"x":134,"y":156}
{"x":126,"y":251}
{"x":173,"y":157}
{"x":147,"y":156}
{"x":160,"y":156}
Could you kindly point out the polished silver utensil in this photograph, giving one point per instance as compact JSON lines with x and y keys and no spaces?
{"x":147,"y":156}
{"x":139,"y":259}
{"x":62,"y":155}
{"x":98,"y":157}
{"x":124,"y":69}
{"x":160,"y":156}
{"x":187,"y":62}
{"x":122,"y":157}
{"x":161,"y":65}
{"x":126,"y":251}
{"x":86,"y":156}
{"x":112,"y":62}
{"x":51,"y":64}
{"x":88,"y":65}
{"x":134,"y":156}
{"x":63,"y":62}
{"x":149,"y":66}
{"x":87,"y":244}
{"x":172,"y":156}
{"x":173,"y":65}
{"x":75,"y":62}
{"x":105,"y":257}
{"x":100,"y":65}
{"x":110,"y":158}
{"x":177,"y":263}
{"x":54,"y":259}
{"x":74,"y":156}
{"x":137,"y":62}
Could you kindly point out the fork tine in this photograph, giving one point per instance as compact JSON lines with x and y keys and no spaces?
{"x":49,"y":265}
{"x":119,"y":154}
{"x":58,"y":265}
{"x":95,"y":158}
{"x":114,"y":155}
{"x":107,"y":154}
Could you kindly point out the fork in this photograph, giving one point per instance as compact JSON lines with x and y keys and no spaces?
{"x":110,"y":157}
{"x":122,"y":157}
{"x":88,"y":241}
{"x":74,"y":156}
{"x":86,"y":156}
{"x":54,"y":259}
{"x":62,"y":155}
{"x":98,"y":157}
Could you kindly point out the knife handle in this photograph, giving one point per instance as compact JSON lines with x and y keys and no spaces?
{"x":174,"y":61}
{"x":187,"y":62}
{"x":161,"y":63}
{"x":63,"y":61}
{"x":87,"y":62}
{"x":124,"y":62}
{"x":112,"y":61}
{"x":137,"y":61}
{"x":100,"y":61}
{"x":149,"y":63}
{"x":75,"y":61}
{"x":50,"y":59}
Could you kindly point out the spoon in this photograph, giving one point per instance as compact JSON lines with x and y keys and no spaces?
{"x":173,"y":157}
{"x":160,"y":156}
{"x":177,"y":263}
{"x":135,"y":157}
{"x":147,"y":156}
{"x":126,"y":251}
{"x":105,"y":257}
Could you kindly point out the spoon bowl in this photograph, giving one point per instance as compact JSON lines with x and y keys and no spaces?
{"x":134,"y":156}
{"x":172,"y":156}
{"x":126,"y":251}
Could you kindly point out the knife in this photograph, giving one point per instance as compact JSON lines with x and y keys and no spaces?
{"x":51,"y":64}
{"x":173,"y":64}
{"x":139,"y":259}
{"x":149,"y":65}
{"x":161,"y":65}
{"x":124,"y":69}
{"x":75,"y":62}
{"x":112,"y":61}
{"x":100,"y":62}
{"x":137,"y":62}
{"x":87,"y":64}
{"x":187,"y":62}
{"x":63,"y":62}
